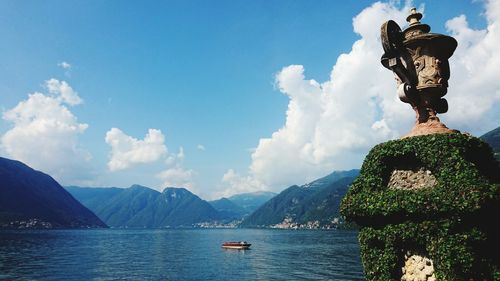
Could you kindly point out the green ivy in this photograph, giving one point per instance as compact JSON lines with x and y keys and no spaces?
{"x":453,"y":222}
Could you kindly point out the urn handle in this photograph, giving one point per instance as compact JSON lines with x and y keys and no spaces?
{"x":397,"y":58}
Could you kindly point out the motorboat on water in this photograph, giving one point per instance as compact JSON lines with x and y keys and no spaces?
{"x":240,"y":245}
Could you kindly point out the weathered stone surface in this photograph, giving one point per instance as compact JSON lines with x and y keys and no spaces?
{"x":411,"y":179}
{"x":430,"y":126}
{"x":418,"y":268}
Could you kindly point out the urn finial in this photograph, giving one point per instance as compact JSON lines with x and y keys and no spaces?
{"x":419,"y":59}
{"x":414,"y":17}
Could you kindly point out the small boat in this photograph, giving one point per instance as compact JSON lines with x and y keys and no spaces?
{"x":241,"y":245}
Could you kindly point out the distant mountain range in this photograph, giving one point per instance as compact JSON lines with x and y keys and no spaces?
{"x":252,"y":201}
{"x":311,"y":205}
{"x":241,"y":205}
{"x":32,"y":199}
{"x":140,"y":206}
{"x":228,"y":209}
{"x":493,"y":139}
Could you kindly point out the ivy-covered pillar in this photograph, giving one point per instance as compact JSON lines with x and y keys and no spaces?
{"x":428,"y":209}
{"x":428,"y":204}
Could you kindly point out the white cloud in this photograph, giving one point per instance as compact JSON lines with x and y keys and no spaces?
{"x":64,"y":65}
{"x":200,"y":147}
{"x":67,"y":68}
{"x":234,"y":183}
{"x":45,"y":133}
{"x":177,"y":177}
{"x":175,"y":159}
{"x":63,"y":91}
{"x":127,"y":151}
{"x":332,"y":125}
{"x":474,"y":92}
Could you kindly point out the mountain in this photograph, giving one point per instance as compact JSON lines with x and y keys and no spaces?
{"x":124,"y":208}
{"x":251,"y":201}
{"x":139,"y":206}
{"x":316,"y":202}
{"x":228,"y":209}
{"x":93,"y":197}
{"x":241,"y":205}
{"x":181,"y":207}
{"x":493,"y":139}
{"x":29,"y":198}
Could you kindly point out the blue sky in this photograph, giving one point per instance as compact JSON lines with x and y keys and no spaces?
{"x":204,"y":73}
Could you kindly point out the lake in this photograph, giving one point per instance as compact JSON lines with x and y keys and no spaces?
{"x":178,"y":254}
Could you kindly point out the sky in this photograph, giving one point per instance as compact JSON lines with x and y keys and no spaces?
{"x":222,"y":97}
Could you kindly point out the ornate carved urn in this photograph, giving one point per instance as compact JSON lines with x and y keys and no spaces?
{"x":419,"y":60}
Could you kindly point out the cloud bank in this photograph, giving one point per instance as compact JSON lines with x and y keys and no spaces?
{"x":127,"y":151}
{"x":45,"y":133}
{"x":174,"y":175}
{"x":474,"y":92}
{"x":63,"y":91}
{"x":177,"y":177}
{"x":332,"y":125}
{"x":236,"y":183}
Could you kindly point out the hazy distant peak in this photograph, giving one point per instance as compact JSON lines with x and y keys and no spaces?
{"x":175,"y":189}
{"x":138,"y":186}
{"x":334,"y":176}
{"x":252,"y":194}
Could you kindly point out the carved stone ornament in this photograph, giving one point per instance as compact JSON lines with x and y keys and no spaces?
{"x":419,"y":60}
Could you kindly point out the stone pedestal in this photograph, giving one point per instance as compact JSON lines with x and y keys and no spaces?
{"x":427,"y":209}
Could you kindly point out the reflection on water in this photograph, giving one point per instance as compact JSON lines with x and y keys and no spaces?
{"x":112,"y":254}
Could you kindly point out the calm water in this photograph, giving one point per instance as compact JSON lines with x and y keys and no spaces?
{"x":112,"y":254}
